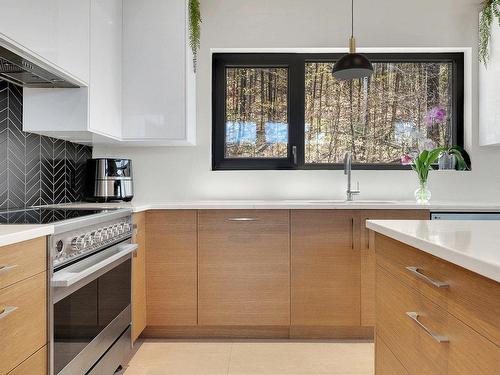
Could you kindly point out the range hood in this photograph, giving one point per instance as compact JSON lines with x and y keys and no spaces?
{"x":20,"y":71}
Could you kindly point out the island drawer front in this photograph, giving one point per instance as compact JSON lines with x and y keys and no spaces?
{"x":23,"y":320}
{"x":22,"y":260}
{"x":466,"y":351}
{"x":35,"y":365}
{"x":473,"y":299}
{"x":385,"y":361}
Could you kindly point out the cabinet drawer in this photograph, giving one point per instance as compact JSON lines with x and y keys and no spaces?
{"x":244,"y":268}
{"x":24,"y":329}
{"x":385,"y":361}
{"x":470,"y":297}
{"x":34,"y":365}
{"x":465,"y":352}
{"x":22,"y":260}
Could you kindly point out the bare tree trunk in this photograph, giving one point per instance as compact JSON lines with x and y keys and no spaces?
{"x":433,"y":95}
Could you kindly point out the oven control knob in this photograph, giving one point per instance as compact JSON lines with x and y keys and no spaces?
{"x":98,"y":237}
{"x":115,"y":230}
{"x":104,"y":234}
{"x":126,"y":227}
{"x":111,"y":232}
{"x":92,"y":238}
{"x":87,"y":241}
{"x":59,"y":246}
{"x":121,"y":228}
{"x":77,"y":243}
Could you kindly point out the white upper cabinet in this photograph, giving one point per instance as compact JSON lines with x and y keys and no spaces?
{"x":141,"y":81}
{"x":105,"y":107}
{"x":87,"y":114}
{"x":489,"y":92}
{"x":55,"y":31}
{"x":159,"y":99}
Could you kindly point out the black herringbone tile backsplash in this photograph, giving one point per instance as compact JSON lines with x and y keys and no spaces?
{"x":34,"y":169}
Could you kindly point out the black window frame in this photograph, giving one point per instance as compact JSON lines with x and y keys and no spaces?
{"x":295,"y":62}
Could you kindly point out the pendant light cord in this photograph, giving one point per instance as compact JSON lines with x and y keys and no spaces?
{"x":352,"y":18}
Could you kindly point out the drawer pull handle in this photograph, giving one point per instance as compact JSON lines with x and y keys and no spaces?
{"x":4,"y":311}
{"x":7,"y":267}
{"x":242,"y":219}
{"x":436,"y":283}
{"x":414,"y":316}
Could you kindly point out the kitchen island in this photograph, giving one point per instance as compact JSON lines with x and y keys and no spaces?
{"x":437,"y":296}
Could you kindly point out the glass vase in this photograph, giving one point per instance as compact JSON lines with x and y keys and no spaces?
{"x":447,"y":161}
{"x":423,"y":194}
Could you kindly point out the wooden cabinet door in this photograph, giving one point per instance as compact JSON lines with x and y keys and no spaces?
{"x":171,"y":268}
{"x":244,"y":268}
{"x":368,"y":256}
{"x":139,"y":276}
{"x":325,"y":268}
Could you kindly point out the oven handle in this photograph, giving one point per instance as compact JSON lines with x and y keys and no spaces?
{"x":66,"y":278}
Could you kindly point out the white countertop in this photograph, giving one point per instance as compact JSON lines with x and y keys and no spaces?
{"x":13,"y":233}
{"x":137,"y":206}
{"x":17,"y":233}
{"x":473,"y":245}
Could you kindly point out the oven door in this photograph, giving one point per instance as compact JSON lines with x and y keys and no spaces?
{"x":91,"y":308}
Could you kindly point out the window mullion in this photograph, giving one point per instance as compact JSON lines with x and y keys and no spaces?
{"x":297,"y":106}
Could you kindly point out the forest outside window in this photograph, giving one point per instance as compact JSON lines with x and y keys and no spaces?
{"x":286,"y":111}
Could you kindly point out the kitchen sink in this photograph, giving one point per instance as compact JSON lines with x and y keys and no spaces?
{"x":328,"y":201}
{"x":371,"y":202}
{"x":343,"y":201}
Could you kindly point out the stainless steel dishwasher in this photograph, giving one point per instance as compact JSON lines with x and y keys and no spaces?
{"x":465,"y":216}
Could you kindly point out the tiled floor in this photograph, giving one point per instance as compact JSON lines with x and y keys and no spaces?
{"x":158,"y":357}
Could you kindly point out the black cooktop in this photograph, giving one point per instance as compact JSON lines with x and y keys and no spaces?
{"x":44,"y":215}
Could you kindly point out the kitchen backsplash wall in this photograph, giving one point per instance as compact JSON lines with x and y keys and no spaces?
{"x":34,"y":169}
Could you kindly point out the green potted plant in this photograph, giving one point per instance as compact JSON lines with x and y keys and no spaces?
{"x":422,"y":164}
{"x":453,"y":158}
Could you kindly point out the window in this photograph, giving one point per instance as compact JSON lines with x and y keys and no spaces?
{"x":286,"y":111}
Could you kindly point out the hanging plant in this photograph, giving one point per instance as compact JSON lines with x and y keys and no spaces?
{"x":489,"y":12}
{"x":194,"y":29}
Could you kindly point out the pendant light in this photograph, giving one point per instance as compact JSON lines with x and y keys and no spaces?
{"x":353,"y":65}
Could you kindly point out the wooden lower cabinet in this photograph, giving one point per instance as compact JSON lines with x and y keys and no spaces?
{"x":139,"y":310}
{"x":325,"y":268}
{"x":426,"y":337}
{"x":244,"y":268}
{"x":225,"y":272}
{"x":171,"y":268}
{"x":34,"y":365}
{"x":368,"y":256}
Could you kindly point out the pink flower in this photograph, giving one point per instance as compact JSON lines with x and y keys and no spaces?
{"x":435,"y":115}
{"x":406,"y":159}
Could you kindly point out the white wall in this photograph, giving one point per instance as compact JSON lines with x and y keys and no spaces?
{"x":163,"y":174}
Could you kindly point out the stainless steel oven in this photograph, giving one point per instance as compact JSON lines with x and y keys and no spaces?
{"x":90,"y":311}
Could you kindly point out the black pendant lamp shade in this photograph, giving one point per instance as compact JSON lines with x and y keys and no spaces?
{"x":353,"y":65}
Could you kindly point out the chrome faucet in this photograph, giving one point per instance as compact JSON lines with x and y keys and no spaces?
{"x":347,"y":171}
